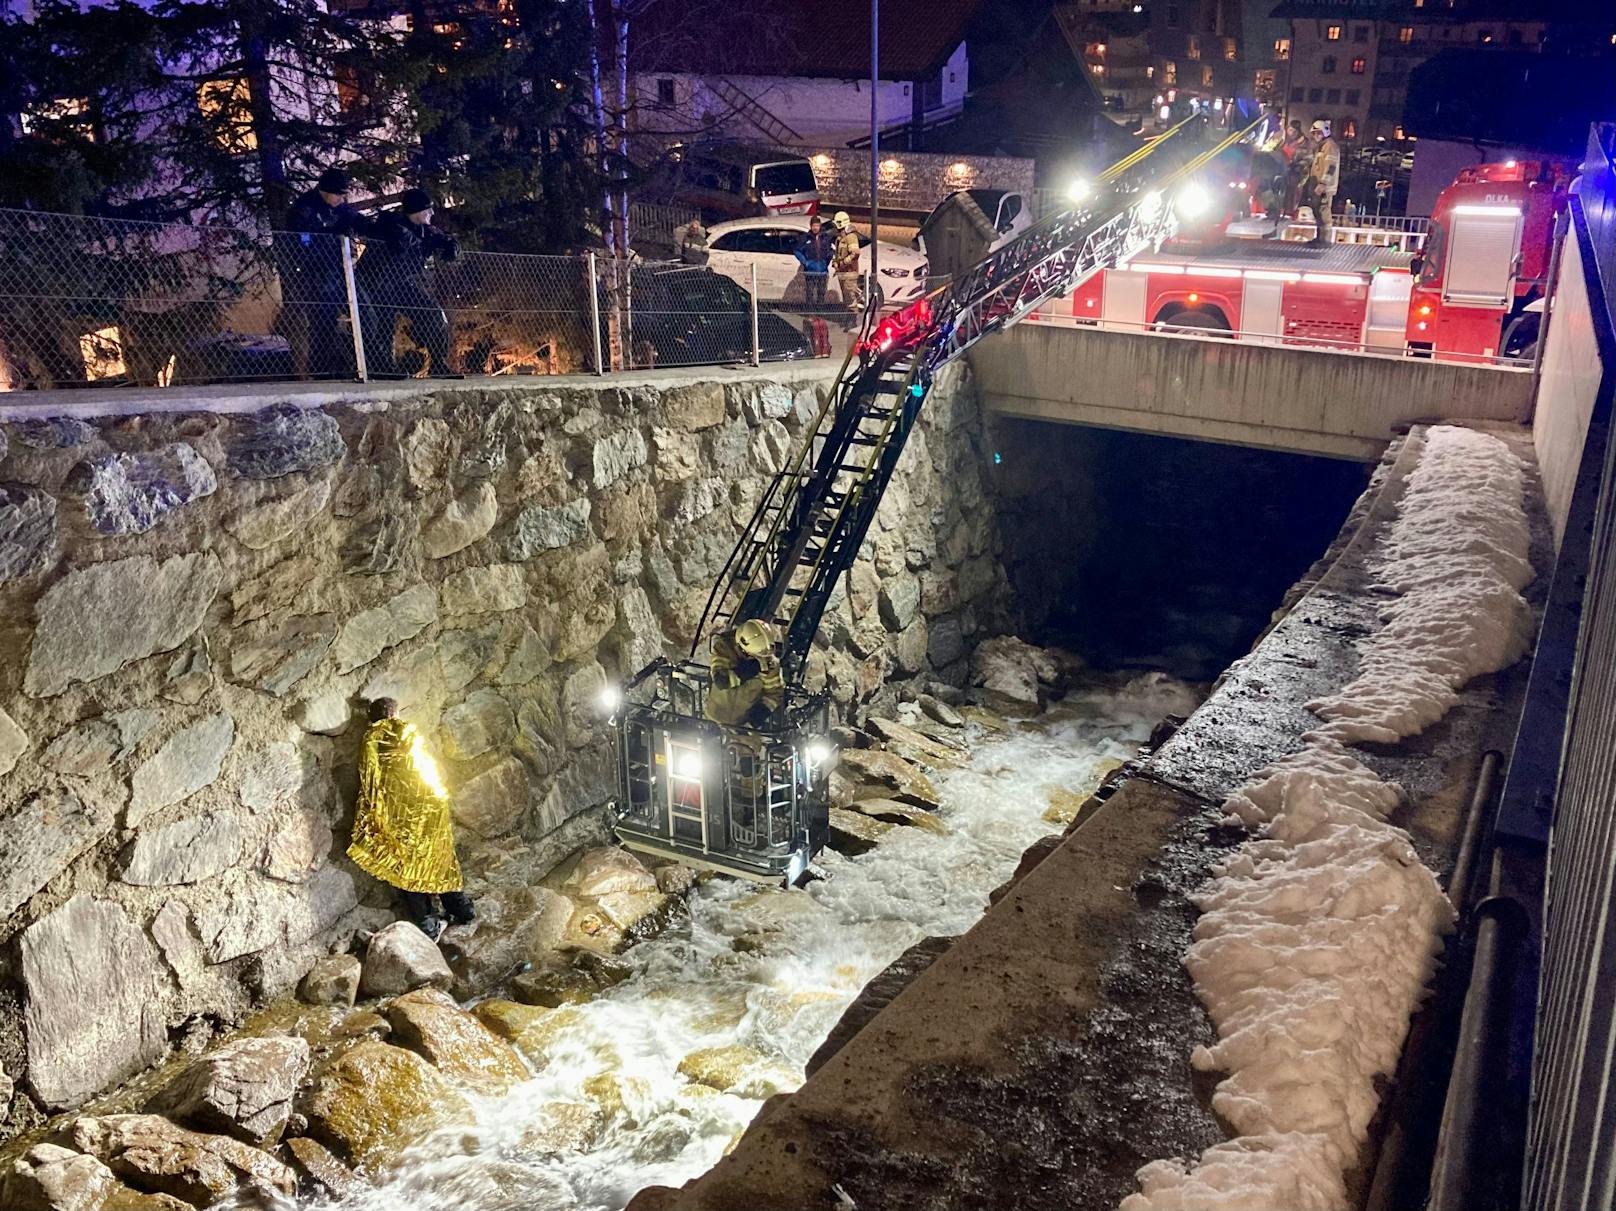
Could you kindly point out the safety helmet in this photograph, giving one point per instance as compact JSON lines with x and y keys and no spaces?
{"x":842,"y":221}
{"x":754,"y":637}
{"x":1320,"y":127}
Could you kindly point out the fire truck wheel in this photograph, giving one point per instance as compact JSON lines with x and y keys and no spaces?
{"x":1520,"y":337}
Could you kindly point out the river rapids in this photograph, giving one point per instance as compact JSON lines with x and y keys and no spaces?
{"x":804,"y":956}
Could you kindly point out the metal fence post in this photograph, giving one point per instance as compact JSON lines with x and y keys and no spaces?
{"x":594,"y":314}
{"x":757,"y":358}
{"x":361,"y":370}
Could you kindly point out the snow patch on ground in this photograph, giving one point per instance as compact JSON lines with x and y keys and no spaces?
{"x":1457,"y":556}
{"x":1314,"y":948}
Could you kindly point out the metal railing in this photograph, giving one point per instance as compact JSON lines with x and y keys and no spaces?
{"x":88,"y":302}
{"x":1570,"y":1147}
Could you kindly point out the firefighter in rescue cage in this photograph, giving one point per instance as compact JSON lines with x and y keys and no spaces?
{"x":748,"y":684}
{"x":844,"y":263}
{"x":392,"y":272}
{"x":401,"y":831}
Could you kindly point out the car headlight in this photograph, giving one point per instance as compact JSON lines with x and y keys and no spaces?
{"x":894,"y":273}
{"x":920,"y":271}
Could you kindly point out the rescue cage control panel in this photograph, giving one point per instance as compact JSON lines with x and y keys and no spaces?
{"x":752,"y":801}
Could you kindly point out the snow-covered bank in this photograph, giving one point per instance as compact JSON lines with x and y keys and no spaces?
{"x":1315,"y":945}
{"x":1320,"y":935}
{"x":1457,"y":556}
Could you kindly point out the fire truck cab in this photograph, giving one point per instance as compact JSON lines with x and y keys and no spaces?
{"x":1486,"y":259}
{"x":1464,"y":288}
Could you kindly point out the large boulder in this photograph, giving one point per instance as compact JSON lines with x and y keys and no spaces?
{"x":514,"y":926}
{"x":190,"y":760}
{"x":371,"y":632}
{"x":96,"y":1019}
{"x":372,"y":1100}
{"x":242,"y":1089}
{"x":186,"y":851}
{"x":738,"y":1069}
{"x":1010,"y":672}
{"x":40,"y":836}
{"x":464,"y":520}
{"x":49,"y":1177}
{"x":582,"y":979}
{"x":27,"y":531}
{"x":428,"y":1022}
{"x":400,"y":959}
{"x":607,"y":869}
{"x":911,"y":745}
{"x":284,"y":440}
{"x":852,"y":833}
{"x":531,"y":1029}
{"x":875,"y":774}
{"x":151,"y":1153}
{"x":891,"y":811}
{"x":140,"y":607}
{"x":562,"y":1127}
{"x":333,"y":980}
{"x":130,"y":493}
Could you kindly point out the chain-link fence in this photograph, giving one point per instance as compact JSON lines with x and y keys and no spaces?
{"x":98,"y":303}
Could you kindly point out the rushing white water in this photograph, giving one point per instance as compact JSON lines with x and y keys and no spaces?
{"x":692,"y":989}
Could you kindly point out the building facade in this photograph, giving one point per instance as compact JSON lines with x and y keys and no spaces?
{"x":1349,"y":61}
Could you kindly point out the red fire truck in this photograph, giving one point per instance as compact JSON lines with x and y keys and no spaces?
{"x":1463,"y":289}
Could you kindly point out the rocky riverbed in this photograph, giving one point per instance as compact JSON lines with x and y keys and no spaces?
{"x":612,"y":1026}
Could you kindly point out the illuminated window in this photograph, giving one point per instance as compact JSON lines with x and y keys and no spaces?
{"x":1332,"y":33}
{"x":1406,"y":34}
{"x":1169,"y":73}
{"x":1349,"y":128}
{"x":226,"y":109}
{"x":1150,"y":71}
{"x":102,"y":351}
{"x":1282,"y":48}
{"x":1327,"y":65}
{"x":1230,"y":50}
{"x":1359,"y":65}
{"x":1206,"y":77}
{"x":350,"y":87}
{"x":1485,"y":35}
{"x":1192,"y":49}
{"x":1397,"y":132}
{"x":51,"y":116}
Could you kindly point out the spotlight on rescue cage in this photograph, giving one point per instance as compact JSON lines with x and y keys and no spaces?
{"x":1150,"y":206}
{"x":610,"y":699}
{"x":1193,"y":201}
{"x":1080,"y":190}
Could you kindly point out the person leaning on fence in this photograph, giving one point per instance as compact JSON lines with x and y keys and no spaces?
{"x":393,"y":274}
{"x":814,"y":256}
{"x":401,"y":832}
{"x":314,"y":291}
{"x":844,"y":263}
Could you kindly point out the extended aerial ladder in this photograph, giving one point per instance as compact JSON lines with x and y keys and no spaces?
{"x":753,"y":801}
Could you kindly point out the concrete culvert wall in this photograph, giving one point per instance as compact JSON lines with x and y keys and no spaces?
{"x":1132,"y":549}
{"x":192,"y":605}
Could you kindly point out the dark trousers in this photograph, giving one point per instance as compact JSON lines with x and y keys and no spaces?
{"x":314,"y":310}
{"x":428,"y":325}
{"x":814,"y":287}
{"x":420,"y":905}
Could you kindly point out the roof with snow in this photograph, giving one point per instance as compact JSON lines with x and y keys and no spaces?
{"x":817,"y":38}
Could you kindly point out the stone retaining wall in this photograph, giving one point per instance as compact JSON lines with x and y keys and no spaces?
{"x":193,"y":606}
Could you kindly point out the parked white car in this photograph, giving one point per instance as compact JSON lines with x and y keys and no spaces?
{"x":770,"y":243}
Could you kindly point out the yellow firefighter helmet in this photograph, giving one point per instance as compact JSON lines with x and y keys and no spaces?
{"x":754,"y":637}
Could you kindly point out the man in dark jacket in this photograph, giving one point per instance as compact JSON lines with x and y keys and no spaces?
{"x":392,"y":272}
{"x":813,"y":254}
{"x":314,"y":293}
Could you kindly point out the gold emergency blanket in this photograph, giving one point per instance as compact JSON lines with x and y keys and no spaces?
{"x":401,"y":830}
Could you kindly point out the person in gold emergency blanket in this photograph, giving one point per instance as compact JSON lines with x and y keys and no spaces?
{"x":401,"y":831}
{"x":748,"y":684}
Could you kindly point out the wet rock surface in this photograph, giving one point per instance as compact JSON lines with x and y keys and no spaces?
{"x":154,"y":1154}
{"x":243,"y":1089}
{"x":429,"y":1022}
{"x":372,"y":1100}
{"x":401,"y":958}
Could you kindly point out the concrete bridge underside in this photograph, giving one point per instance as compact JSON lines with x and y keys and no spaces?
{"x":1309,"y":401}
